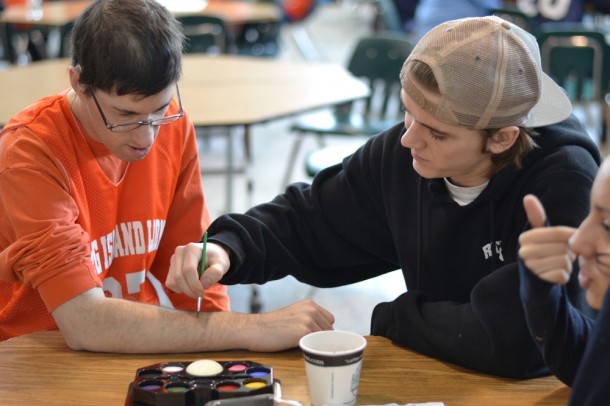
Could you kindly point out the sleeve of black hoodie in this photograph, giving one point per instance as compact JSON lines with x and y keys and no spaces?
{"x":330,"y":233}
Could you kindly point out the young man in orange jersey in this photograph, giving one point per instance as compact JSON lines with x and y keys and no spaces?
{"x":99,"y":184}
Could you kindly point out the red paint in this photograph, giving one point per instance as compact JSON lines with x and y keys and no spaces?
{"x":227,"y":387}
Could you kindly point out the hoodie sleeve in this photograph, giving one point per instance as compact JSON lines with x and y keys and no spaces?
{"x":591,"y":385}
{"x":330,"y":233}
{"x":559,"y":330}
{"x":486,"y":334}
{"x":292,"y":236}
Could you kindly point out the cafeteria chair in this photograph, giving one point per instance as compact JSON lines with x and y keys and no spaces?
{"x":376,"y":59}
{"x":386,"y":17}
{"x":517,"y":17}
{"x":295,"y":13}
{"x":206,"y":34}
{"x":260,"y":39}
{"x":211,"y":35}
{"x":65,"y":40}
{"x":24,"y":43}
{"x":577,"y":59}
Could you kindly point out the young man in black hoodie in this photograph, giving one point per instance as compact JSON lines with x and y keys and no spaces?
{"x":438,"y":196}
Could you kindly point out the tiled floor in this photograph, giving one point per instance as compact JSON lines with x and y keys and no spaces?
{"x":333,"y":29}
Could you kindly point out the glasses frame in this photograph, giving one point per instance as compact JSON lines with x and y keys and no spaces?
{"x":117,"y":128}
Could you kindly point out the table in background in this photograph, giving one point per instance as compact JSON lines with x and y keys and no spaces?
{"x":56,"y":14}
{"x":229,"y":91}
{"x":38,"y":369}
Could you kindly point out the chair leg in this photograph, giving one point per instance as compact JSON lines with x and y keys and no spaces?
{"x":296,"y":146}
{"x":247,"y":147}
{"x":321,"y":140}
{"x":605,"y":120}
{"x":255,"y":302}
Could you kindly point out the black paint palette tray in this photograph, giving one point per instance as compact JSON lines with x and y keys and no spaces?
{"x":179,"y":383}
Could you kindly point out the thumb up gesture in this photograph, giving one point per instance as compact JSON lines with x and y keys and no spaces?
{"x":545,"y":250}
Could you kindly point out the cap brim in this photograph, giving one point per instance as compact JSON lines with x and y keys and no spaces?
{"x":554,"y":105}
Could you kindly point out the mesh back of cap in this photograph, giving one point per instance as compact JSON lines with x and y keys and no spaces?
{"x":486,"y":70}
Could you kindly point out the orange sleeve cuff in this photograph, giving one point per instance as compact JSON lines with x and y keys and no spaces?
{"x":67,"y":285}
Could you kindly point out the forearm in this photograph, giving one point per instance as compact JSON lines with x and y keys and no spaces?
{"x":96,"y":323}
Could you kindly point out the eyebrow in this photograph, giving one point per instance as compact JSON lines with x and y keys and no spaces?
{"x":602,"y":209}
{"x":134,"y":113}
{"x":433,"y":129}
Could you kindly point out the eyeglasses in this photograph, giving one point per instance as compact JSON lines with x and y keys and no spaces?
{"x":118,"y":128}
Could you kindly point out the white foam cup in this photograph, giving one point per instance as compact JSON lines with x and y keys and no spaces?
{"x":333,"y":360}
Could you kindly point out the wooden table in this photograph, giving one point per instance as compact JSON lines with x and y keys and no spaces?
{"x":228,"y":91}
{"x":38,"y":369}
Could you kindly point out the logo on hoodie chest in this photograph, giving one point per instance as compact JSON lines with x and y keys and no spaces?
{"x":491,"y":249}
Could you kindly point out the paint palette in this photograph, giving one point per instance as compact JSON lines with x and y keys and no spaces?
{"x":198,"y":382}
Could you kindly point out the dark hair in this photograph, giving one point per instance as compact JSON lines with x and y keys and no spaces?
{"x":127,"y":46}
{"x":514,"y":155}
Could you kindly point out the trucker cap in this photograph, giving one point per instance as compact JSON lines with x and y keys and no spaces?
{"x":489,"y":75}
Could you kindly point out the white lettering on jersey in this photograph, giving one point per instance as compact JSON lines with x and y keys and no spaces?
{"x":134,"y":283}
{"x":107,"y":244}
{"x":138,"y":232}
{"x":95,"y":257}
{"x":155,"y":231}
{"x":134,"y":280}
{"x":113,"y":287}
{"x":128,"y":238}
{"x":164,"y":300}
{"x":119,"y":251}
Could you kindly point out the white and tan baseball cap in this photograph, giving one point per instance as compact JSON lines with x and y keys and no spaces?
{"x":489,"y":75}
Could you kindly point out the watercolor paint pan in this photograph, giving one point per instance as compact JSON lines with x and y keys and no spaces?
{"x":177,"y":383}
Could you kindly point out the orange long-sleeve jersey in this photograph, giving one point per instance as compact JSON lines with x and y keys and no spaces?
{"x":67,"y":227}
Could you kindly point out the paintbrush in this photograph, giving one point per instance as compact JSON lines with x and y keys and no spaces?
{"x":202,"y":268}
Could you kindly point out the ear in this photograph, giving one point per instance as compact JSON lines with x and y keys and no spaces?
{"x":77,"y":86}
{"x":503,"y":139}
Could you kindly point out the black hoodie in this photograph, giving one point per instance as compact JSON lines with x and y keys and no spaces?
{"x":373,"y":214}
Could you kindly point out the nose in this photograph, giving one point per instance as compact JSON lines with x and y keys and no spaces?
{"x":145,"y":135}
{"x":582,"y":243}
{"x":411,"y":139}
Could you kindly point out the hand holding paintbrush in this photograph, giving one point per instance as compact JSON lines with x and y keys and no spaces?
{"x":196,"y":265}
